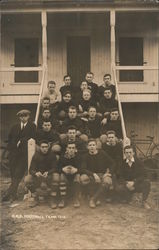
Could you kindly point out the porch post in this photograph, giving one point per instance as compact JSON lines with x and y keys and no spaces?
{"x":112,"y":38}
{"x":44,"y":43}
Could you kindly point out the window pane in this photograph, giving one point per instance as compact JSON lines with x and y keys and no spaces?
{"x":131,"y":54}
{"x":26,"y":55}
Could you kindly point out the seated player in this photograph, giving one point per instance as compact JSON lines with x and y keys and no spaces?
{"x":114,"y":149}
{"x":96,"y":172}
{"x":107,"y":83}
{"x":113,"y":123}
{"x":85,"y":102}
{"x":49,"y":134}
{"x":44,"y":116}
{"x":83,"y":86}
{"x":69,"y":165}
{"x":67,"y":87}
{"x":63,"y":106}
{"x":93,"y":123}
{"x":43,"y":179}
{"x":92,"y":86}
{"x":107,"y":102}
{"x":52,"y":93}
{"x":72,"y":137}
{"x":74,"y":120}
{"x":132,"y":178}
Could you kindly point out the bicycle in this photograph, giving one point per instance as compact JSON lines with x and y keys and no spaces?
{"x":150,"y":156}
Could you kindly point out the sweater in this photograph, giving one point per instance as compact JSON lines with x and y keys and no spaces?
{"x":43,"y":163}
{"x":98,"y":163}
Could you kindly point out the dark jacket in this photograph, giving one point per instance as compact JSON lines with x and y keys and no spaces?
{"x":16,"y":134}
{"x":77,"y":122}
{"x":50,"y":136}
{"x":64,"y":161}
{"x":106,"y":105}
{"x":134,"y":173}
{"x":98,"y":163}
{"x":94,"y":127}
{"x":43,"y":163}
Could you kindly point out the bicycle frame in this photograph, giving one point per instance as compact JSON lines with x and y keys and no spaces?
{"x":148,"y":142}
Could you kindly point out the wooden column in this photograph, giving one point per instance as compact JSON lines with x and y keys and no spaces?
{"x":112,"y":38}
{"x":44,"y":42}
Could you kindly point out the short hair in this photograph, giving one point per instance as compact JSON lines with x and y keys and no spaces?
{"x":72,"y":107}
{"x":92,"y":107}
{"x":91,"y":140}
{"x":46,"y":98}
{"x":46,"y":109}
{"x":69,"y":143}
{"x":108,"y":88}
{"x":43,"y":141}
{"x":87,"y":90}
{"x":65,"y":76}
{"x":51,"y":82}
{"x":114,"y":109}
{"x":90,"y":73}
{"x":71,"y":128}
{"x":66,"y":92}
{"x":46,"y":120}
{"x":111,"y":132}
{"x":107,"y":75}
{"x":128,"y":147}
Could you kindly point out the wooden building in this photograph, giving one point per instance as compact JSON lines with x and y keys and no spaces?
{"x":44,"y":40}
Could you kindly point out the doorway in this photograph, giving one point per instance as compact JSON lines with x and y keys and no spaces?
{"x":78,"y":58}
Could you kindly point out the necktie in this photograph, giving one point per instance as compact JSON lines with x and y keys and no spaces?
{"x":23,"y":126}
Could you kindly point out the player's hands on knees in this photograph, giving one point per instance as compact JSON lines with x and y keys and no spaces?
{"x":96,"y":178}
{"x":45,"y":174}
{"x":38,"y":174}
{"x":107,"y":179}
{"x":130,"y":185}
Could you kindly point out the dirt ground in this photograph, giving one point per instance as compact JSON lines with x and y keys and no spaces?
{"x":110,"y":226}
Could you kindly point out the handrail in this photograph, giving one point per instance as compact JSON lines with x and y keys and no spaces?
{"x":40,"y":94}
{"x":136,"y":67}
{"x":125,"y":138}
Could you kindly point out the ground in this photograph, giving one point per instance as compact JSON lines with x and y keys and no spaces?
{"x":110,"y":226}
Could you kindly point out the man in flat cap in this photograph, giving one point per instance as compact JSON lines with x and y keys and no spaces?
{"x":18,"y":138}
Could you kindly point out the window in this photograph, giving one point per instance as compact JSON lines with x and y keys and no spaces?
{"x":131,"y":54}
{"x":26,"y":55}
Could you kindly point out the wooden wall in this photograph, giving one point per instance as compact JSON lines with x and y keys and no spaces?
{"x":60,"y":26}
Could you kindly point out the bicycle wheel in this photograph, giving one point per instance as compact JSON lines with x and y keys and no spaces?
{"x":155,"y":153}
{"x":5,"y":160}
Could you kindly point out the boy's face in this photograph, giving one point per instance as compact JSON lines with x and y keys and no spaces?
{"x":46,"y":126}
{"x":107,"y":80}
{"x":44,"y":147}
{"x":89,"y":78}
{"x":67,"y":81}
{"x":67,"y":98}
{"x":92,"y":112}
{"x":71,"y":134}
{"x":71,"y":149}
{"x":45,"y":104}
{"x":72,"y":113}
{"x":24,"y":118}
{"x":92,"y":147}
{"x":107,"y":94}
{"x":111,"y":139}
{"x":51,"y":87}
{"x":84,"y":86}
{"x":46,"y":114}
{"x":129,"y":153}
{"x":86,"y":96}
{"x":114,"y":115}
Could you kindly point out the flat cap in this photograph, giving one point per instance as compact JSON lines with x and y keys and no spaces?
{"x":23,"y":112}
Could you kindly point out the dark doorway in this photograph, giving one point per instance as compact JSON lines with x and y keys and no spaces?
{"x":26,"y":55}
{"x":78,"y":58}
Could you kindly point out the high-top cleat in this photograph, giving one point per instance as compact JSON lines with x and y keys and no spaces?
{"x":76,"y":203}
{"x":61,"y":204}
{"x":33,"y":202}
{"x":52,"y":203}
{"x":92,"y":203}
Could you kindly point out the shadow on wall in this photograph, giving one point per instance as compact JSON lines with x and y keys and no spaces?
{"x":9,"y":117}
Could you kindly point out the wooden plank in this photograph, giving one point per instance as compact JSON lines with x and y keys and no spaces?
{"x":112,"y":38}
{"x":13,"y":69}
{"x":136,"y":67}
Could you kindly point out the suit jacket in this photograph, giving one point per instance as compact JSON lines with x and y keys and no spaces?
{"x":17,"y":134}
{"x":134,"y":173}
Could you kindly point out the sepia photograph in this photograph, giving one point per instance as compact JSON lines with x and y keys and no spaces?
{"x":79,"y":130}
